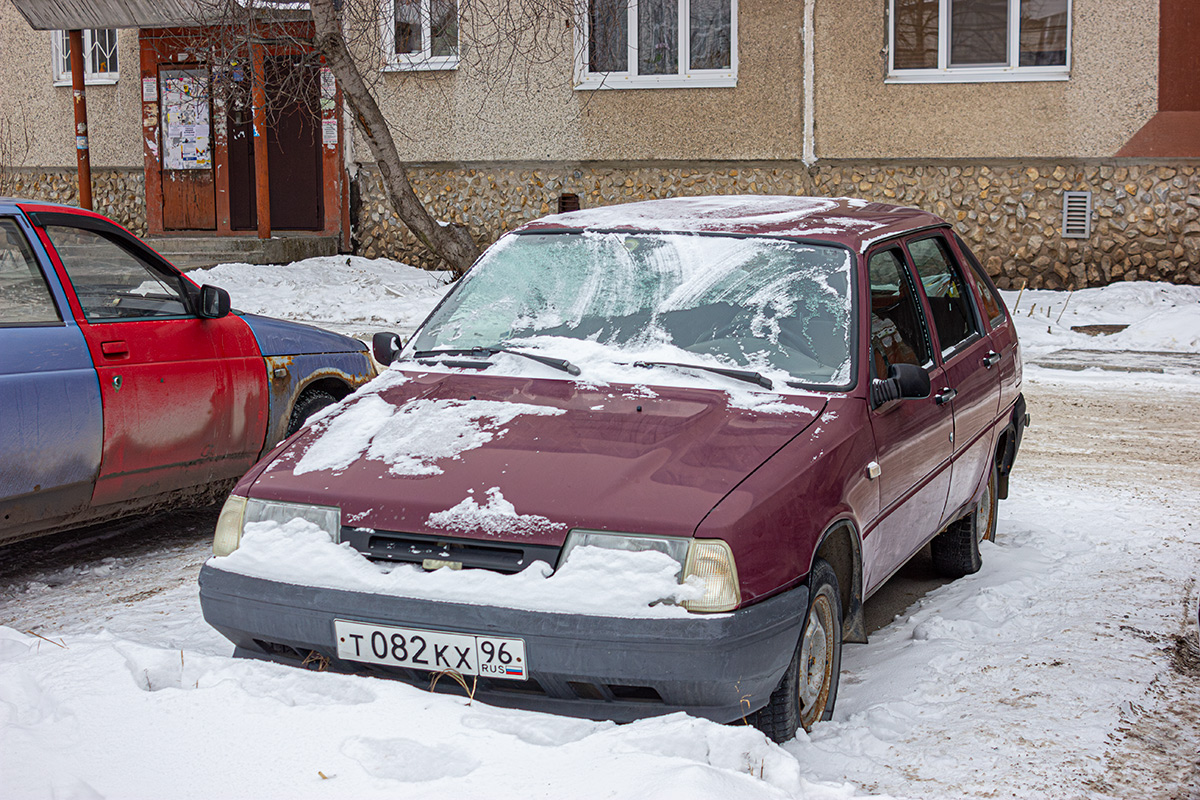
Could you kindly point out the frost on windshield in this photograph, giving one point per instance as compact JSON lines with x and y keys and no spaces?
{"x":747,"y":302}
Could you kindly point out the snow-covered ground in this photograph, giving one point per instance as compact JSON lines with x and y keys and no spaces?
{"x":1043,"y":675}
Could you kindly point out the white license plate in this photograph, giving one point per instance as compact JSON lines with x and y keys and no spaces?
{"x":488,"y":656}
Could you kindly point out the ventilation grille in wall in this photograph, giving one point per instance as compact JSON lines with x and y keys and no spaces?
{"x":1077,"y":215}
{"x":568,"y":201}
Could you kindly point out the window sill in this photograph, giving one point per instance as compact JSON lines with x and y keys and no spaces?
{"x":109,"y":79}
{"x":421,"y":64}
{"x":693,"y":81}
{"x":993,"y":75}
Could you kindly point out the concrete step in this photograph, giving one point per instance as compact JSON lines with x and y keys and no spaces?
{"x":202,"y":252}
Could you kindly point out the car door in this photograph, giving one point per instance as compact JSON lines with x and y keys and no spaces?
{"x":185,"y":398}
{"x":50,"y":414}
{"x":971,"y":387}
{"x":912,"y":436}
{"x":1001,"y":330}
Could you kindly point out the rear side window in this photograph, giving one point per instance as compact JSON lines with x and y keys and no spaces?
{"x":897,"y":327}
{"x":987,"y":292}
{"x":24,"y":295}
{"x":112,"y":283}
{"x":949,"y":298}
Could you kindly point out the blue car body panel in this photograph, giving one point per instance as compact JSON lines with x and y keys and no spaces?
{"x":277,"y":337}
{"x":51,"y":420}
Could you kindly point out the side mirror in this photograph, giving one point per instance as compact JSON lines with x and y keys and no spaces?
{"x":385,"y":347}
{"x":214,"y":302}
{"x":904,"y":382}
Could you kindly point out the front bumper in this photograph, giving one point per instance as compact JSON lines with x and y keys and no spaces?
{"x":720,"y":667}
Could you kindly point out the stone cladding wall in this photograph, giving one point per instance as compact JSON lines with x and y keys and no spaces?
{"x":116,"y":193}
{"x":1145,"y":224}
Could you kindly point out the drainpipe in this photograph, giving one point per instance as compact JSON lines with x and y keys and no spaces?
{"x":81,"y":125}
{"x":810,"y":137}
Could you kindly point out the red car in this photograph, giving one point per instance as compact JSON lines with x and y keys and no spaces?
{"x":642,"y":459}
{"x":124,"y":387}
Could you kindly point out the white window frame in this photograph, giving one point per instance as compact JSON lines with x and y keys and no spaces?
{"x":424,"y":60}
{"x":944,"y":73}
{"x":629,"y":79}
{"x":59,"y":46}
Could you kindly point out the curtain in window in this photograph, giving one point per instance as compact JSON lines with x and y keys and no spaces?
{"x":608,"y":35}
{"x":1043,"y":33}
{"x":916,"y":34}
{"x":658,"y":37}
{"x":408,"y":26}
{"x":710,"y":24}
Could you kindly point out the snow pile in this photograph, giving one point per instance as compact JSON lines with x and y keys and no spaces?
{"x":1160,"y":316}
{"x":594,"y":581}
{"x":410,"y":439}
{"x":496,"y":517}
{"x":340,"y":292}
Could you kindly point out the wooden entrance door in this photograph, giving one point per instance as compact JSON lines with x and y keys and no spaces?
{"x":188,"y":188}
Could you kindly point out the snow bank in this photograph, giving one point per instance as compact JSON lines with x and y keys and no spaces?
{"x":594,"y":581}
{"x":347,"y":293}
{"x":1160,"y":316}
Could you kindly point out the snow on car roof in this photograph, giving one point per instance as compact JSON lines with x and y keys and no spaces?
{"x":843,"y":220}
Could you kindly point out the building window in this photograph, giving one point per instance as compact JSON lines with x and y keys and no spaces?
{"x":657,"y":44}
{"x":99,"y":56}
{"x":961,"y":41}
{"x":420,"y":34}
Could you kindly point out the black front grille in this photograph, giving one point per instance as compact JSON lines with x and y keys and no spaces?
{"x":415,"y":548}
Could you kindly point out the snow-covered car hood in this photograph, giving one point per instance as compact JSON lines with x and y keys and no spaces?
{"x":482,"y":456}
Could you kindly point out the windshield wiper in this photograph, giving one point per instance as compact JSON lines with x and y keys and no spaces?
{"x":481,"y":352}
{"x":749,"y":376}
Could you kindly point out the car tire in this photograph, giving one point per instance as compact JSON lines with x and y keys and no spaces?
{"x":808,"y":690}
{"x":955,"y":551}
{"x":309,"y":403}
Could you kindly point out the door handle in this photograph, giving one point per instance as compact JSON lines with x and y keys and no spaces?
{"x":945,"y":396}
{"x":991,"y":359}
{"x":114,"y":349}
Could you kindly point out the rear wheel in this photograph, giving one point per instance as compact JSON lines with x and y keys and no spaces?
{"x":955,"y":551}
{"x":309,"y":403}
{"x":808,"y":690}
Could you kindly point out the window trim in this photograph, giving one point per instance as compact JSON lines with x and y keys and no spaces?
{"x":944,"y":73}
{"x":61,"y":77}
{"x":686,"y":78}
{"x":425,"y":60}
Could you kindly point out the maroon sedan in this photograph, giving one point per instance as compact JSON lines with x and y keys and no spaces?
{"x":642,"y":459}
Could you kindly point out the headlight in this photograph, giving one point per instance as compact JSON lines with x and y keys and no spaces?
{"x":711,"y":560}
{"x":241,"y":511}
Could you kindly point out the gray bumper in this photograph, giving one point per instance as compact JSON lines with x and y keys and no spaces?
{"x":596,"y":667}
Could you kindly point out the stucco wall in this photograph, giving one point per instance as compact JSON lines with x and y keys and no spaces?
{"x":1146,"y":224}
{"x":1112,"y":92}
{"x":29,"y":99}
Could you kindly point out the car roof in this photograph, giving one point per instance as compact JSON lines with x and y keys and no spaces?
{"x":841,"y":220}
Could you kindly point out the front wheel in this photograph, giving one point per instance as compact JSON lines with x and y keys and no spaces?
{"x":309,"y":403}
{"x":808,"y":690}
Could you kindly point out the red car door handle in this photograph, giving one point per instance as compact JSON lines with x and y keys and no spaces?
{"x":945,"y":396}
{"x":114,"y":349}
{"x":991,"y":359}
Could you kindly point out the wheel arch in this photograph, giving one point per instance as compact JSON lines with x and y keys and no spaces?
{"x":841,"y":548}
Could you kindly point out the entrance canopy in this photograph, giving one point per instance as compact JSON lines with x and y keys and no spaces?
{"x":49,"y":15}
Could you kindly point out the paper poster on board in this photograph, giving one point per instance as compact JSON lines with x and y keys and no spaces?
{"x":186,"y":129}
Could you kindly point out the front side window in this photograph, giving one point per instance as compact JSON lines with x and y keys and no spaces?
{"x":979,"y":40}
{"x":658,"y":43}
{"x":948,"y":295}
{"x":111,"y":283}
{"x":420,"y":34}
{"x":768,"y":305}
{"x":898,"y":334}
{"x":99,"y":56}
{"x":24,"y":295}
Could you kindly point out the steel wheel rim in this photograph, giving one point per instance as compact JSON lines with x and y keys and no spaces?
{"x":816,"y":661}
{"x":983,"y":518}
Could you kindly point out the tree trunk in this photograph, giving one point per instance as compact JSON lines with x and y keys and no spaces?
{"x":451,"y":242}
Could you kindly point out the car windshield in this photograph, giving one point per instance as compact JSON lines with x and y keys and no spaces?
{"x":752,"y":303}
